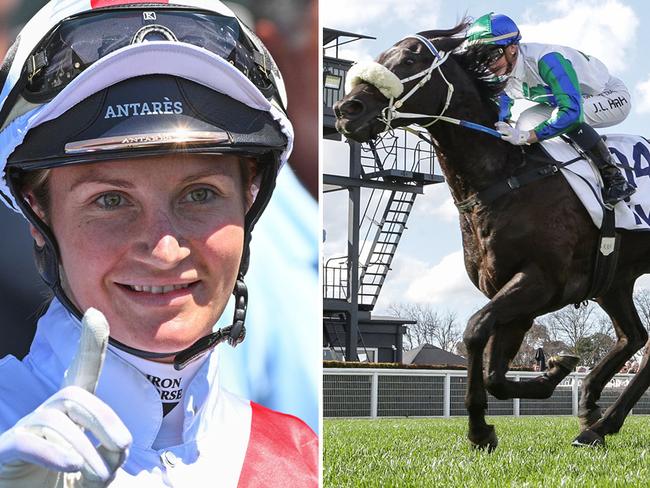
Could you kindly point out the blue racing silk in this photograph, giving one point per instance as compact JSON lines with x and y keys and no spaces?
{"x":558,"y":76}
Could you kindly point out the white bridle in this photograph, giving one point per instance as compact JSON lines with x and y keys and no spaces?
{"x":392,"y":87}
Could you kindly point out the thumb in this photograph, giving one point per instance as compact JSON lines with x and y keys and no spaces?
{"x":88,"y":361}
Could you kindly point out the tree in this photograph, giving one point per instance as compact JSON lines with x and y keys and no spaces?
{"x":440,"y":329}
{"x":571,"y":324}
{"x":593,"y":348}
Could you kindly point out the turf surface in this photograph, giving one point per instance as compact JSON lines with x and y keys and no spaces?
{"x":532,"y":452}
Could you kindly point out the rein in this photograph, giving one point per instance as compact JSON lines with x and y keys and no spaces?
{"x":390,"y":113}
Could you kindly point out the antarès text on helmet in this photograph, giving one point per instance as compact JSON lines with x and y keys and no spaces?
{"x":150,"y":138}
{"x":165,"y":107}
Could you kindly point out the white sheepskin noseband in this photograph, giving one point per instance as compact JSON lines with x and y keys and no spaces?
{"x":377,"y":75}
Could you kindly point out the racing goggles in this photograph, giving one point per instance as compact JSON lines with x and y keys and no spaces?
{"x":78,"y":42}
{"x":494,"y":55}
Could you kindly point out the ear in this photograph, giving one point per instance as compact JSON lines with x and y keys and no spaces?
{"x":429,"y":34}
{"x":37,"y":236}
{"x":254,"y":190}
{"x":35,"y":233}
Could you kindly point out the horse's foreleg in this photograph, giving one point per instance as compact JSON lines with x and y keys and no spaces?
{"x":631,"y":335}
{"x":504,"y":346}
{"x":521,"y":297}
{"x":476,"y":335}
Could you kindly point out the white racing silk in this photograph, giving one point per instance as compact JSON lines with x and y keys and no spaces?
{"x":632,"y":156}
{"x":224,"y":441}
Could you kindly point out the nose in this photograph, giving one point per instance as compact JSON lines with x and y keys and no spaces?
{"x":162,"y":246}
{"x":349,"y":109}
{"x":168,"y":252}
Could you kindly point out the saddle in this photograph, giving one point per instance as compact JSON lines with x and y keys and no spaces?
{"x":560,"y":155}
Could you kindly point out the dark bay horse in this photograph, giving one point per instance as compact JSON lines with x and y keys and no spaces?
{"x":530,"y":251}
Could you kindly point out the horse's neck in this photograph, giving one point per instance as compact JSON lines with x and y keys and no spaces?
{"x":471,"y":160}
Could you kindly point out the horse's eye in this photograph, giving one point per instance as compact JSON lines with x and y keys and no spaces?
{"x":409,"y":61}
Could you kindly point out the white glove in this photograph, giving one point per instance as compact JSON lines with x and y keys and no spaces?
{"x":48,"y":448}
{"x":512,"y":134}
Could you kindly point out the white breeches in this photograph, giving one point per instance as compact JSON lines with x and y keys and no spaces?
{"x":605,"y":109}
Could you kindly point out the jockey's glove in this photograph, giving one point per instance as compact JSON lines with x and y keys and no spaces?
{"x":512,"y":134}
{"x":48,"y":447}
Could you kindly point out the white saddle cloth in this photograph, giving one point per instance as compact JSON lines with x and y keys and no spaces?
{"x":632,"y":155}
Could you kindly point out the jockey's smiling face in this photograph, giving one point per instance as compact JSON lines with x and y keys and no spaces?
{"x":153,"y":242}
{"x":504,"y":60}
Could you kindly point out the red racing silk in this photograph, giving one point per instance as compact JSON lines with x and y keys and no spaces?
{"x":282,"y":451}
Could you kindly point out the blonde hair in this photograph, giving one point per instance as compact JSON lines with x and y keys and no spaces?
{"x":36,"y":183}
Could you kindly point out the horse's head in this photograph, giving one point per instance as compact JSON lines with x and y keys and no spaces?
{"x":405,"y":86}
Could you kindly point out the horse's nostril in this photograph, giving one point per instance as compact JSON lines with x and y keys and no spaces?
{"x":349,"y":108}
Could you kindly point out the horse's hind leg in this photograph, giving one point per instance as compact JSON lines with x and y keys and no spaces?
{"x":631,"y":335}
{"x":527,"y":292}
{"x":615,"y":415}
{"x":504,"y":346}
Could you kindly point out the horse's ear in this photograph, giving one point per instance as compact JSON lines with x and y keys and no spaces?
{"x":445,"y":44}
{"x":448,"y":44}
{"x":429,"y":34}
{"x":454,"y":31}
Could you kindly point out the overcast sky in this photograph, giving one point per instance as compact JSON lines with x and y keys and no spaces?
{"x":428,"y":267}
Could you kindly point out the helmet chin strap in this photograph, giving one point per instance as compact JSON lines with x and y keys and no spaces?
{"x":233,"y":334}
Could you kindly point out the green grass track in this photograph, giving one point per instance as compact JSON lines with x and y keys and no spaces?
{"x":532,"y":452}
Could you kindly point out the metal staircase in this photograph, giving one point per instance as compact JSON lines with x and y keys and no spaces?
{"x":384,"y":246}
{"x":385,"y":176}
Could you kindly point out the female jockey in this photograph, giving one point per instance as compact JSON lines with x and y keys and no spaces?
{"x":142,"y":143}
{"x":575,"y":92}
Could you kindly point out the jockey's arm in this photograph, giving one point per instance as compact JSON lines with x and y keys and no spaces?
{"x":559,"y":75}
{"x":505,"y":105}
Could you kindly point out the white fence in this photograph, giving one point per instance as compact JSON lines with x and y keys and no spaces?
{"x":362,"y":392}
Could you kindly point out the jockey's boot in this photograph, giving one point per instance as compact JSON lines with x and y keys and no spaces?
{"x":616,"y":187}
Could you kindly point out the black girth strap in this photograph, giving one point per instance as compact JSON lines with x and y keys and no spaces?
{"x":491,"y":193}
{"x":606,"y":255}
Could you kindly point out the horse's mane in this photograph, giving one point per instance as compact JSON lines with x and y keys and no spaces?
{"x":473,"y":59}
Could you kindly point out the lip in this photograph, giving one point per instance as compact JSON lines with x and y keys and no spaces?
{"x":171,"y":298}
{"x":360,"y":130}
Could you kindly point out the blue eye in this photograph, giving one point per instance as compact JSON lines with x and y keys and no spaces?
{"x":110,"y":200}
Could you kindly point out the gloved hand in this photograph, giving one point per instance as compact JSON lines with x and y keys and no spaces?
{"x":48,"y":447}
{"x":512,"y":134}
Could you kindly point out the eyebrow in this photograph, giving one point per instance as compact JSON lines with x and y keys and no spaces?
{"x":119,"y":183}
{"x":212,"y":171}
{"x":98,"y":178}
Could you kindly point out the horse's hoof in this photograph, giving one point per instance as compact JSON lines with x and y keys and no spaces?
{"x":488,"y":441}
{"x":590,"y":418}
{"x":564,"y":361}
{"x":589,"y":438}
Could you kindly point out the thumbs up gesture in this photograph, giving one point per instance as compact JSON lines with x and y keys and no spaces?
{"x":48,"y":448}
